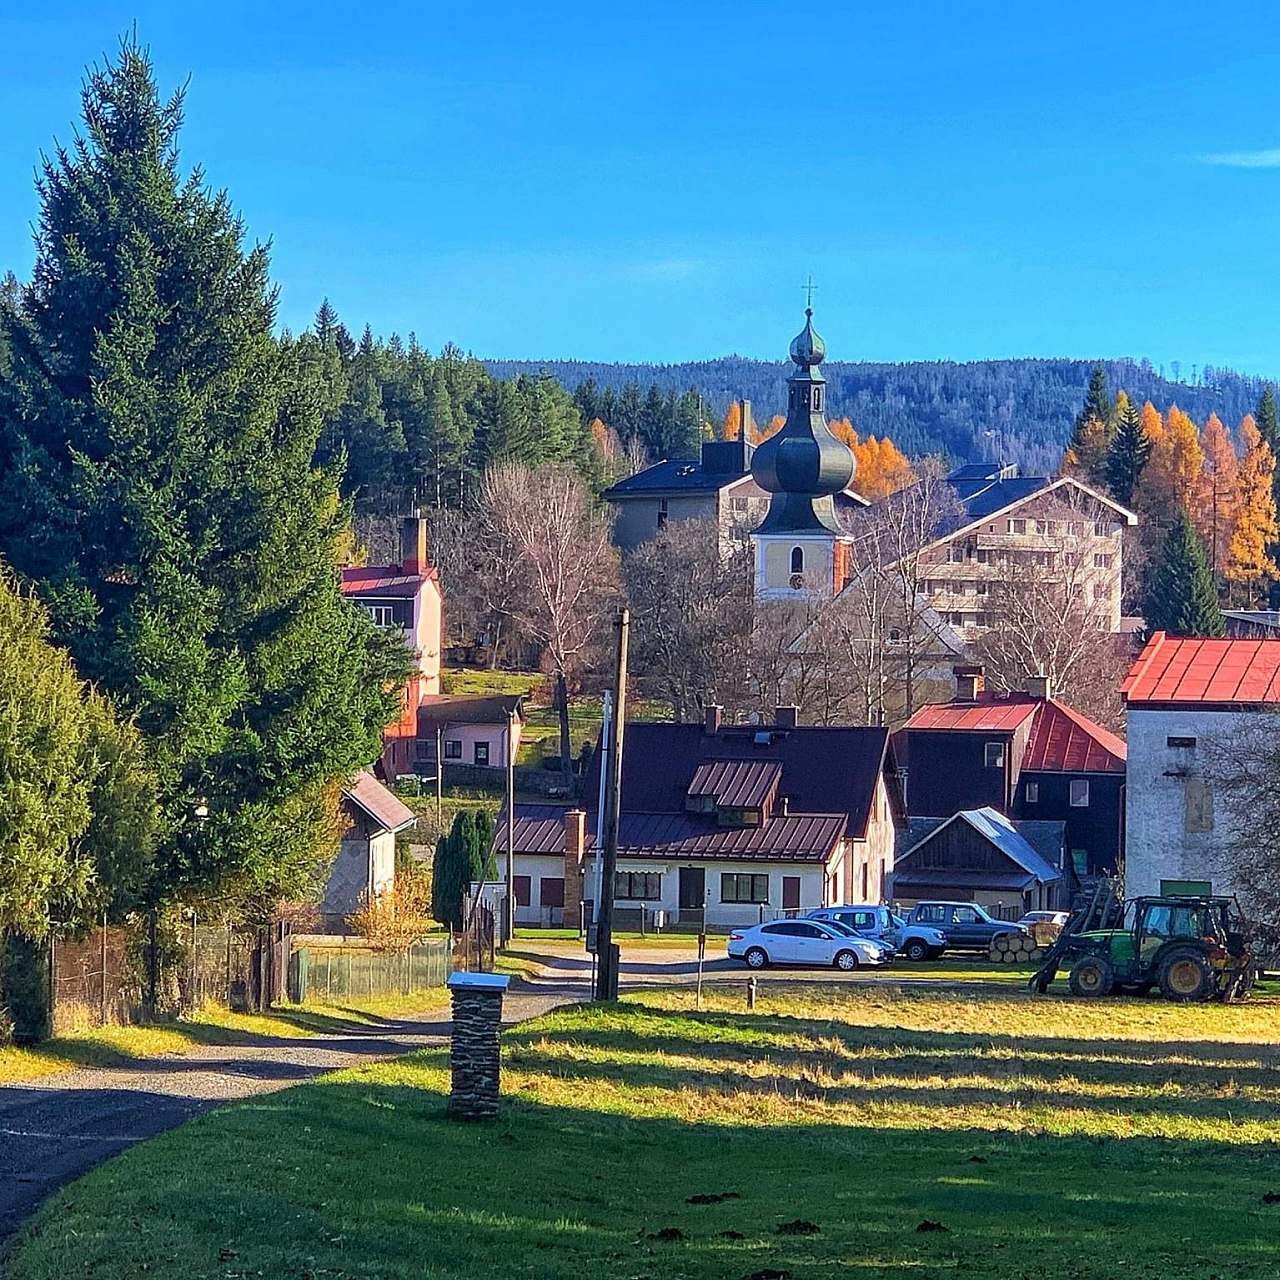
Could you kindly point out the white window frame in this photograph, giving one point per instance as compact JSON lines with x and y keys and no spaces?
{"x":1033,"y":793}
{"x":1000,"y":748}
{"x":1078,"y":793}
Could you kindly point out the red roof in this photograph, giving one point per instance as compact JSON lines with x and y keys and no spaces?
{"x":994,"y":713}
{"x":384,"y":580}
{"x":1186,"y":670}
{"x":1064,"y":741}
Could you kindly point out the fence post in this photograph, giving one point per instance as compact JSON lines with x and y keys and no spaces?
{"x":102,"y":1006}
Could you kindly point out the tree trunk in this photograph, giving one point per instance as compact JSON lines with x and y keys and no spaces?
{"x":497,"y":640}
{"x":566,"y":746}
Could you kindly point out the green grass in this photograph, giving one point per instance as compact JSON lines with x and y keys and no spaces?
{"x":91,"y":1046}
{"x":1047,"y":1136}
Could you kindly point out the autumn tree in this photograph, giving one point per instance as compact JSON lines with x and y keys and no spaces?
{"x":559,"y":543}
{"x":1215,"y":498}
{"x":1182,"y":598}
{"x":1249,"y":563}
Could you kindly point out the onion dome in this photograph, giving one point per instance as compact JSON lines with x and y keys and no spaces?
{"x":807,"y":348}
{"x":803,"y":464}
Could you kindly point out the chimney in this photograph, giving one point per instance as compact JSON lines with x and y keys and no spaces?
{"x":714,"y":715}
{"x":969,"y":683}
{"x":1040,"y":686}
{"x":786,"y":717}
{"x":413,"y":543}
{"x":575,"y":847}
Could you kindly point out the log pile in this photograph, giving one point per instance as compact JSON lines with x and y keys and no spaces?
{"x":1016,"y":948}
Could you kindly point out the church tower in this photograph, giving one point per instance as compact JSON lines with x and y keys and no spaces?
{"x":800,"y":548}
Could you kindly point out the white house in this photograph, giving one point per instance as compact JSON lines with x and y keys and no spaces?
{"x":1181,"y":695}
{"x":721,"y":825}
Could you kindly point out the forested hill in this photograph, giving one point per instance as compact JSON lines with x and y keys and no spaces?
{"x":929,"y":407}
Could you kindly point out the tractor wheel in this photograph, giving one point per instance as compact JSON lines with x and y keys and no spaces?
{"x":1186,"y":976}
{"x":1091,"y":976}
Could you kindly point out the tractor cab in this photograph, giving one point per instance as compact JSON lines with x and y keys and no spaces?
{"x":1192,"y":948}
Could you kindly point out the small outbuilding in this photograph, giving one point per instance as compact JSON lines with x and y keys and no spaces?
{"x":366,"y":861}
{"x":979,"y":855}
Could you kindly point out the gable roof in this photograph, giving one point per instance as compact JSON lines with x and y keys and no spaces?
{"x":1184,"y":671}
{"x":1062,"y":739}
{"x":825,"y":770}
{"x":378,"y":803}
{"x":538,"y":828}
{"x":674,"y":475}
{"x":446,"y":709}
{"x":737,"y":784}
{"x":1009,"y":837}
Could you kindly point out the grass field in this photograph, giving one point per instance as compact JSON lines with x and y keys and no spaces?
{"x":91,"y":1046}
{"x":873,"y":1132}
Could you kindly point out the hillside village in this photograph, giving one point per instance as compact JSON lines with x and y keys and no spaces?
{"x":693,"y":805}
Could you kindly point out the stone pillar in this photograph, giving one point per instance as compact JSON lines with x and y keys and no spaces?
{"x":575,"y":845}
{"x":474,"y":1051}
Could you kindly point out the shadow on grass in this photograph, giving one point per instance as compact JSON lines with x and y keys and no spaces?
{"x":367,"y":1174}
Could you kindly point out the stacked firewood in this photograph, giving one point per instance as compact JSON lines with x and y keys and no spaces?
{"x":1016,"y":948}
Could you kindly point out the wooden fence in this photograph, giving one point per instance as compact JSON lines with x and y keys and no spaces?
{"x":350,"y":972}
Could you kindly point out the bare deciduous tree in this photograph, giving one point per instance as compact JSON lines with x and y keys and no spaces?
{"x":691,"y":614}
{"x":544,"y":521}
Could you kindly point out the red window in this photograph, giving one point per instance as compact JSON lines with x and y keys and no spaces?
{"x":522,"y":891}
{"x":551,"y":891}
{"x":790,"y":893}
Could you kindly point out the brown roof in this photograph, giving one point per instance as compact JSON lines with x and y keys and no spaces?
{"x":737,"y":784}
{"x":445,"y":709}
{"x":824,"y":769}
{"x":380,"y":804}
{"x":796,"y":837}
{"x":383,"y":580}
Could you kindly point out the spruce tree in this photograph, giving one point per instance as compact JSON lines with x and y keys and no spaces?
{"x":1090,"y":437}
{"x":1127,"y":455}
{"x":1266,"y":418}
{"x":157,"y":486}
{"x":1182,"y":599}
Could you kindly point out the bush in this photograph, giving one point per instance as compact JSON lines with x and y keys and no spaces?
{"x":24,"y":989}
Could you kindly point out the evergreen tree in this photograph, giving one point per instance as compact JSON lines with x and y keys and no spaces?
{"x":484,"y":865}
{"x":1088,"y":448}
{"x":1181,"y":599}
{"x":157,"y":486}
{"x":1127,"y":455}
{"x":1266,"y":418}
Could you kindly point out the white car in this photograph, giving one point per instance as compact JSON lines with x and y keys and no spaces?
{"x":805,"y":942}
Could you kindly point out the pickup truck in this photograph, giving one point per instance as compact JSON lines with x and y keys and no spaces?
{"x":965,"y":925}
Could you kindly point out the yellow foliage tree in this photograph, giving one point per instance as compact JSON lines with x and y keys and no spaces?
{"x":1216,"y":498}
{"x":1152,"y":423}
{"x":1172,"y":472}
{"x":1249,"y":564}
{"x":732,"y":426}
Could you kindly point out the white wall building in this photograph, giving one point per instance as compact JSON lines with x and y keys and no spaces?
{"x":1181,"y":696}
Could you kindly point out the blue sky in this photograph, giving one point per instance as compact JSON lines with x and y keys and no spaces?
{"x":655,"y":182}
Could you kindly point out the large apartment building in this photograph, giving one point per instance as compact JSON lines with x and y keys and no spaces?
{"x":1004,"y":530}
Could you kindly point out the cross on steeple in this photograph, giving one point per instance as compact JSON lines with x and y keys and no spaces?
{"x":809,"y":287}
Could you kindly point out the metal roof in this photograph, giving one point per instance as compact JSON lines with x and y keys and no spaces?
{"x":1064,"y":741}
{"x":383,"y":580}
{"x":380,"y":804}
{"x":934,"y":882}
{"x":737,"y":784}
{"x":992,"y":712}
{"x":1187,"y":672}
{"x":1004,"y":834}
{"x":797,"y":837}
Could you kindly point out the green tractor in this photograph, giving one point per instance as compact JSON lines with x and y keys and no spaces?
{"x":1192,"y":949}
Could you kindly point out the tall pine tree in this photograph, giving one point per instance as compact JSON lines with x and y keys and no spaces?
{"x":1127,"y":455}
{"x":157,"y":486}
{"x":1181,"y":598}
{"x":1086,"y":453}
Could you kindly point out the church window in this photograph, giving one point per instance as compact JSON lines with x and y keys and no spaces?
{"x":797,"y":559}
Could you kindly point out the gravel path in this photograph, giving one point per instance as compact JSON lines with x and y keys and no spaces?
{"x":60,"y":1127}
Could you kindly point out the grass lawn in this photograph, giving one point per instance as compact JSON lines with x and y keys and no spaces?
{"x":874,"y":1132}
{"x":92,"y":1046}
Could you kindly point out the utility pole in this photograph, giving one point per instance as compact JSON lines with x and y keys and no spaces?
{"x":606,"y":952}
{"x":509,"y":912}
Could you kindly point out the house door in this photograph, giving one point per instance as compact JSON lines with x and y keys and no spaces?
{"x":791,"y":893}
{"x":693,"y":894}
